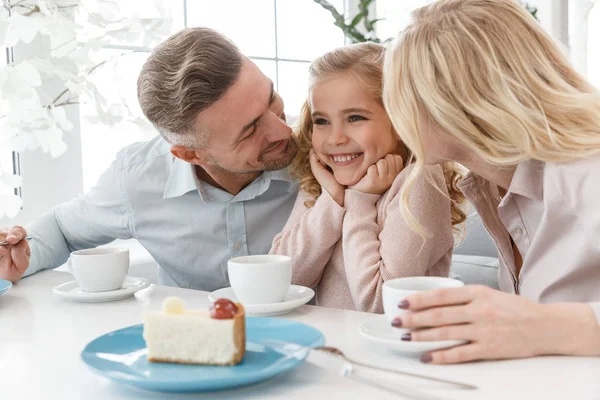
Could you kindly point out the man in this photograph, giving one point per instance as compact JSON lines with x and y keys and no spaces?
{"x":215,"y":186}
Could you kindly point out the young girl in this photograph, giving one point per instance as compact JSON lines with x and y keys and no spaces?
{"x":346,"y":235}
{"x":480,"y":82}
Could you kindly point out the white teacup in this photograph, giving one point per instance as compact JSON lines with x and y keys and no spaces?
{"x":260,"y":279}
{"x":396,"y":290}
{"x":99,"y":270}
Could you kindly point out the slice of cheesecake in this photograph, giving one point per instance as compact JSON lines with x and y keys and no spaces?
{"x":176,"y":335}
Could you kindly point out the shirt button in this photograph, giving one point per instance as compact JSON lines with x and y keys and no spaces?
{"x":518,"y":232}
{"x":237,"y":245}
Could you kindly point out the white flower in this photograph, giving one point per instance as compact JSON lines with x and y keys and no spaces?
{"x":10,"y":204}
{"x":22,"y":28}
{"x":14,"y":80}
{"x":57,"y":148}
{"x":49,"y":140}
{"x":60,"y":116}
{"x":7,"y":179}
{"x":62,"y":32}
{"x":4,"y":25}
{"x":32,"y":116}
{"x":81,"y":56}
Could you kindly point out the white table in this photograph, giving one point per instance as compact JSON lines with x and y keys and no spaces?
{"x":42,"y":335}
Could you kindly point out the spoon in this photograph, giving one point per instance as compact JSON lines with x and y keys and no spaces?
{"x":338,"y":352}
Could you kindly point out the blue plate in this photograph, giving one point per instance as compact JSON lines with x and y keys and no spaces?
{"x":4,"y":285}
{"x":121,"y":356}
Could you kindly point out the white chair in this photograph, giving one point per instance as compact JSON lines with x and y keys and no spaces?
{"x":475,"y":260}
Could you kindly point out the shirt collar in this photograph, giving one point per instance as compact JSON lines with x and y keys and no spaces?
{"x":182,"y":180}
{"x":263,"y":183}
{"x":284,"y":176}
{"x":528,"y":181}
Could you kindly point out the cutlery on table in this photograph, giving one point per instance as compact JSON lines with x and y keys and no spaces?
{"x":325,"y":357}
{"x":338,"y":352}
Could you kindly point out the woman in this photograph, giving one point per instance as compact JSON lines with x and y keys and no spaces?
{"x":493,"y":92}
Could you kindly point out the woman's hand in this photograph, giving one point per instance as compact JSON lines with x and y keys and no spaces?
{"x":380,"y":176}
{"x":497,"y":325}
{"x":326,"y":179}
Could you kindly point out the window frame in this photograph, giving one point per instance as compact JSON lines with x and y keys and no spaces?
{"x":14,"y":156}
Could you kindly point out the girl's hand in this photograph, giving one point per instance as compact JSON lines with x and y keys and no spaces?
{"x":497,"y":325}
{"x":380,"y":176}
{"x":326,"y":179}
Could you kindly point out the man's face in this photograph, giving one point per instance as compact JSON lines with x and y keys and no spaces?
{"x":246,"y":128}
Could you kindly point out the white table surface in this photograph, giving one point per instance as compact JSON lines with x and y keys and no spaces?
{"x":42,"y":335}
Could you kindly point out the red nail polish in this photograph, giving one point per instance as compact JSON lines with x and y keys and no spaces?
{"x":397,"y":322}
{"x":426,"y":358}
{"x":403,"y":304}
{"x":406,"y":337}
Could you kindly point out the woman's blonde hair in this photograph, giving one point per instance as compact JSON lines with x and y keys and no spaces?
{"x":487,"y":74}
{"x":365,"y":62}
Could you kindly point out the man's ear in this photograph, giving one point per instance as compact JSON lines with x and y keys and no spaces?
{"x":189,"y":155}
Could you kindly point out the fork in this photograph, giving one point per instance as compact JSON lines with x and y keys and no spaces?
{"x":6,"y":243}
{"x":338,"y":352}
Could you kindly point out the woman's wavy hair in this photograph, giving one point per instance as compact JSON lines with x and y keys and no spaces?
{"x":489,"y":76}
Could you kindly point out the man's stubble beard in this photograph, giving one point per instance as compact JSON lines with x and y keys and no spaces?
{"x":269,"y":165}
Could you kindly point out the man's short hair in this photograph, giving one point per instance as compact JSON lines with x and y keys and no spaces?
{"x":183,"y":76}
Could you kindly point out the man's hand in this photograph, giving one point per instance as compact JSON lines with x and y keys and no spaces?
{"x":14,"y":257}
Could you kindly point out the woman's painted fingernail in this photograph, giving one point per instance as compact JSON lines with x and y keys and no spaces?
{"x":426,"y":358}
{"x":397,"y":322}
{"x":403,"y":304}
{"x":406,"y":337}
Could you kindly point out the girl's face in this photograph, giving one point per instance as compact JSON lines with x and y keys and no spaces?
{"x":351,"y":130}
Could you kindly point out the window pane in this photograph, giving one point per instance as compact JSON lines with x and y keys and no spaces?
{"x":268,"y":68}
{"x":396,"y":16}
{"x":250,"y":24}
{"x":293,"y":85}
{"x":305,"y":30}
{"x":100,"y":143}
{"x":593,"y":55}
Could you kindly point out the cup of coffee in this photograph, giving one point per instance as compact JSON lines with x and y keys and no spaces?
{"x":396,"y":290}
{"x":260,"y":279}
{"x":99,"y":270}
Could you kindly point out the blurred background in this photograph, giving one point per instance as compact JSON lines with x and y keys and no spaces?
{"x":68,"y":72}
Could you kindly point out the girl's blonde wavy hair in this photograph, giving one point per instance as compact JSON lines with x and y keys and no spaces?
{"x":365,"y":62}
{"x":489,"y":76}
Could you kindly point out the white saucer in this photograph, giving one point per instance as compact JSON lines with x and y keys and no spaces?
{"x":71,"y":291}
{"x":378,"y":329}
{"x":296,"y":297}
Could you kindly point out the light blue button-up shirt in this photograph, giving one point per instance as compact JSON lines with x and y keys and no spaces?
{"x":190,"y":227}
